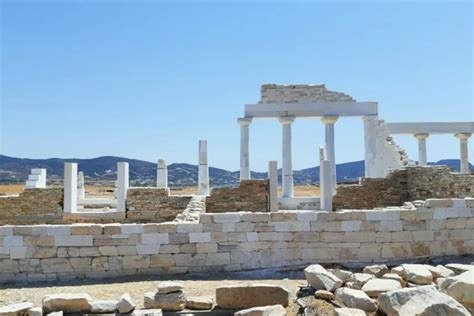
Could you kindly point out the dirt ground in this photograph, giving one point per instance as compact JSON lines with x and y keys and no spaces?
{"x":138,"y":285}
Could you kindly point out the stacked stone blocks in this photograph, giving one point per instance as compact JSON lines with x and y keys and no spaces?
{"x":302,"y":93}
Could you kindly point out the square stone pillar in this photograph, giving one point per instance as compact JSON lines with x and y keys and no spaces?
{"x":370,"y":146}
{"x":422,"y":137}
{"x":122,"y":186}
{"x":162,"y":175}
{"x":203,"y":176}
{"x":70,"y":188}
{"x":287,"y":170}
{"x":244,"y":123}
{"x":273,"y":185}
{"x":463,"y":139}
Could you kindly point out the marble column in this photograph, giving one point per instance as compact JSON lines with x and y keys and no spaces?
{"x":203,"y":176}
{"x":162,"y":174}
{"x":244,"y":123}
{"x":70,"y":188}
{"x":287,"y":170}
{"x":463,"y":139}
{"x":370,"y":144}
{"x":325,"y":181}
{"x":122,"y":185}
{"x":273,"y":185}
{"x":422,"y":137}
{"x":329,"y":146}
{"x":81,"y":190}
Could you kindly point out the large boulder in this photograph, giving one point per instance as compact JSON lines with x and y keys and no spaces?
{"x":422,"y":301}
{"x":377,"y":269}
{"x":375,"y":287}
{"x":125,"y":304}
{"x":104,"y":306}
{"x":19,"y":309}
{"x":242,"y":296}
{"x":393,"y":276}
{"x":355,"y":299}
{"x":462,"y":289}
{"x":359,"y":279}
{"x":416,"y":273}
{"x":319,"y":278}
{"x":67,"y":302}
{"x":344,"y":275}
{"x":169,"y":287}
{"x":344,"y":311}
{"x":174,"y":301}
{"x":273,"y":310}
{"x":445,"y":272}
{"x":459,"y":268}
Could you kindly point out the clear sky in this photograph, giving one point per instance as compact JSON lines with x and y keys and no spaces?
{"x":148,"y":79}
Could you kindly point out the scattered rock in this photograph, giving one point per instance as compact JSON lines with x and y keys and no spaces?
{"x":435,"y":272}
{"x":19,"y":309}
{"x":315,"y":307}
{"x":445,"y":272}
{"x":199,"y":302}
{"x":375,"y":287}
{"x":459,"y":268}
{"x":148,"y":312}
{"x":359,"y":279}
{"x":104,"y":306}
{"x":344,"y":275}
{"x":59,"y":313}
{"x":273,"y":310}
{"x":421,"y":300}
{"x":67,"y":302}
{"x":416,"y":273}
{"x":444,"y":283}
{"x":35,"y":311}
{"x":320,"y":278}
{"x":462,"y":289}
{"x":393,"y":276}
{"x":169,"y":287}
{"x":241,"y":296}
{"x":324,"y":295}
{"x":344,"y":311}
{"x":355,"y":299}
{"x":125,"y":304}
{"x":174,"y":301}
{"x":377,"y":269}
{"x":397,"y":270}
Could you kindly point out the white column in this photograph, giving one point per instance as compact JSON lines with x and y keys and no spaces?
{"x":70,"y":188}
{"x":122,"y":186}
{"x":287,"y":172}
{"x":422,"y":137}
{"x":329,"y":146}
{"x":273,"y":185}
{"x":203,"y":176}
{"x":325,"y":181}
{"x":244,"y":123}
{"x":81,"y":191}
{"x":162,"y":174}
{"x":463,"y":138}
{"x":370,"y":144}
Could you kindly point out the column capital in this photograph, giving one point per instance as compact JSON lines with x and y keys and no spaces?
{"x":286,"y":119}
{"x":244,"y":120}
{"x":421,"y":136}
{"x":463,"y":136}
{"x":329,"y":119}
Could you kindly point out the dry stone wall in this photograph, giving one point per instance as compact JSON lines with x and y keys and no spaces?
{"x":402,"y":185}
{"x":235,"y":241}
{"x":300,"y":93}
{"x":32,"y":206}
{"x":250,"y":196}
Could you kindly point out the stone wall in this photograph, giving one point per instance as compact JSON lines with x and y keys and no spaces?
{"x":300,"y":93}
{"x":250,"y":196}
{"x":154,"y":204}
{"x":407,"y":184}
{"x":32,"y":206}
{"x":235,"y":241}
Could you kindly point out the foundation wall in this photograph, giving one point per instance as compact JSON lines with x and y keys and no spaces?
{"x":235,"y":241}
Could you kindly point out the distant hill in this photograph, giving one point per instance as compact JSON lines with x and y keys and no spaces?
{"x":179,"y":174}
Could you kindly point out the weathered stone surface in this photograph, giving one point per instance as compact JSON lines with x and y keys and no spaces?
{"x":125,"y":304}
{"x":104,"y":306}
{"x":393,"y":276}
{"x":319,"y":278}
{"x":462,"y":289}
{"x":416,"y":273}
{"x":273,"y":310}
{"x":169,"y":287}
{"x":359,"y":279}
{"x":375,"y":287}
{"x":445,"y":272}
{"x":199,"y":302}
{"x":67,"y":302}
{"x":459,"y":268}
{"x":148,"y":312}
{"x":344,"y":275}
{"x":18,"y":309}
{"x":421,"y":300}
{"x":241,"y":296}
{"x":377,"y":269}
{"x":35,"y":311}
{"x":344,"y":311}
{"x":324,"y":295}
{"x":174,"y":301}
{"x":355,"y":299}
{"x":435,"y":272}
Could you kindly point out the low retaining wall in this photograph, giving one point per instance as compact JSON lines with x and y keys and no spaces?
{"x":235,"y":241}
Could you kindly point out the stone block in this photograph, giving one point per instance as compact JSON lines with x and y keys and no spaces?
{"x":255,"y":217}
{"x":67,"y":303}
{"x":162,"y":261}
{"x":423,"y":235}
{"x":303,"y":216}
{"x":18,"y":252}
{"x":251,"y":296}
{"x":199,"y":302}
{"x":13,"y":241}
{"x":155,"y":238}
{"x":438,"y":203}
{"x":217,"y":259}
{"x":148,"y":249}
{"x":136,"y":262}
{"x":189,"y":228}
{"x":351,"y":226}
{"x":108,"y":250}
{"x":18,"y":309}
{"x":292,"y":226}
{"x":55,"y":230}
{"x":73,"y":240}
{"x":56,"y":265}
{"x":227,"y":218}
{"x":200,"y":237}
{"x":206,"y":247}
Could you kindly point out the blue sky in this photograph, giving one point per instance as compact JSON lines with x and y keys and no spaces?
{"x":148,"y":79}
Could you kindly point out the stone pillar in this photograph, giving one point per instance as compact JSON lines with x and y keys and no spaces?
{"x":370,"y":145}
{"x":81,"y":191}
{"x":122,"y":186}
{"x":325,"y":181}
{"x":70,"y":188}
{"x":273,"y":185}
{"x":203,"y":176}
{"x":422,"y":137}
{"x":244,"y":123}
{"x":329,"y":146}
{"x":463,"y":138}
{"x":287,"y":172}
{"x":162,"y":174}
